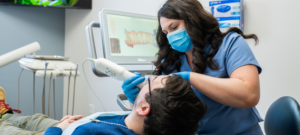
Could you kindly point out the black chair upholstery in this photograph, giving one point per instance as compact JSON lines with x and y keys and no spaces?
{"x":283,"y":117}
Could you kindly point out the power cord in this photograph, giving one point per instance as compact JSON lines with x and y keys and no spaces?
{"x":89,"y":59}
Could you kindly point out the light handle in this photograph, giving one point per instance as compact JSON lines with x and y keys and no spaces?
{"x":17,"y":54}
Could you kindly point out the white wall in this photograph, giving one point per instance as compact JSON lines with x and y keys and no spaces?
{"x":76,"y":47}
{"x":276,"y":24}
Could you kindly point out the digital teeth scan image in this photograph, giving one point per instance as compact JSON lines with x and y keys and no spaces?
{"x":131,"y":36}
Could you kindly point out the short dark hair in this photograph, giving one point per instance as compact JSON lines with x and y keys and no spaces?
{"x":175,"y":109}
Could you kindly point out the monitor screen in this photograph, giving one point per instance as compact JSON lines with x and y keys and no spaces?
{"x":131,"y":36}
{"x":84,"y":4}
{"x":127,"y":38}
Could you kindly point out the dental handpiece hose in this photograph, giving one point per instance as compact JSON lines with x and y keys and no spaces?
{"x":113,"y":70}
{"x":44,"y":88}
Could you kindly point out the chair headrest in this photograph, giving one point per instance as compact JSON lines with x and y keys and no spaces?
{"x":283,"y":117}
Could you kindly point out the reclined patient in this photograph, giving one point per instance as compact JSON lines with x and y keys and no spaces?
{"x":166,"y":105}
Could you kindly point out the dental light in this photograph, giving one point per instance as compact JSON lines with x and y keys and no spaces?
{"x":17,"y":54}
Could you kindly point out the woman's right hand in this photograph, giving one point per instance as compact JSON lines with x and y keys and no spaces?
{"x":129,"y":86}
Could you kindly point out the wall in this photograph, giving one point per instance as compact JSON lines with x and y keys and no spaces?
{"x":20,"y":26}
{"x":275,"y":23}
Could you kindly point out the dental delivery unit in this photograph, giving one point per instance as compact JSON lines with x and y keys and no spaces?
{"x":42,"y":66}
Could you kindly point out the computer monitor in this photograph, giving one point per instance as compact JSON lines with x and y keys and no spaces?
{"x":128,"y":38}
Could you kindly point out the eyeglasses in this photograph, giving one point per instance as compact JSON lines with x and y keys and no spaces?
{"x":149,"y":91}
{"x":151,"y":109}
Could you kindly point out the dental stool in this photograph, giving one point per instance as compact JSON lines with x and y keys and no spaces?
{"x":283,"y":117}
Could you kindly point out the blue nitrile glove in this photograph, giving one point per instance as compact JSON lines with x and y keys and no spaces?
{"x":129,"y":86}
{"x":184,"y":75}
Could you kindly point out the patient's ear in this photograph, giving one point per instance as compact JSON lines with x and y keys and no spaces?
{"x":143,"y":110}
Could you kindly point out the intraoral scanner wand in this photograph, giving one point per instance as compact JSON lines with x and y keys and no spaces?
{"x":113,"y":70}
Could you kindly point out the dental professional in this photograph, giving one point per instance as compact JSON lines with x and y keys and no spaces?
{"x":220,"y":67}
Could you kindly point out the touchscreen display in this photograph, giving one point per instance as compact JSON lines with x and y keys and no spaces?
{"x":131,"y":36}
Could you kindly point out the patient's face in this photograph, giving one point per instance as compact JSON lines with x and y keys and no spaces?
{"x":155,"y":82}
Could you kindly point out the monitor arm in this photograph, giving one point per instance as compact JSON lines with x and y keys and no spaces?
{"x":91,"y":45}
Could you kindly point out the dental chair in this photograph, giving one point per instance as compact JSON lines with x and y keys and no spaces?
{"x":283,"y":117}
{"x":120,"y":100}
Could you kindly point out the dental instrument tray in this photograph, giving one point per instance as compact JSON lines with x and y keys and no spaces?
{"x":47,"y":57}
{"x":39,"y":64}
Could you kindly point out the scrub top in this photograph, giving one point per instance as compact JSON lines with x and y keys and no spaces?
{"x":221,"y":119}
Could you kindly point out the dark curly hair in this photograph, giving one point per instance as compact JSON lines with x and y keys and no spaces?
{"x":175,"y":109}
{"x":201,"y":26}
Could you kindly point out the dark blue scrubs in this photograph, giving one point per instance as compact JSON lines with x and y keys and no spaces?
{"x":221,"y":119}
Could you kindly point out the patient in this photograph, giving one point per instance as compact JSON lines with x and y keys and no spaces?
{"x":170,"y":108}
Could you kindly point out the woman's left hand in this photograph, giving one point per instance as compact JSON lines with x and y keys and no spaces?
{"x":184,"y":75}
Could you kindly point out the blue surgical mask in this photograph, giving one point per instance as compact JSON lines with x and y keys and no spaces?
{"x":180,"y":40}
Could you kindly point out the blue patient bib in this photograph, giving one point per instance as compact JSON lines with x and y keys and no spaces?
{"x":221,"y":119}
{"x":89,"y":118}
